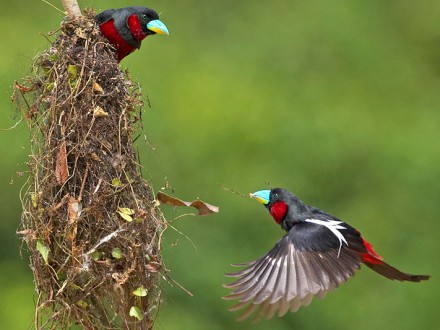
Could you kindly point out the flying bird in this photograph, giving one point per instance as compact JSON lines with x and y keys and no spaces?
{"x":125,"y":28}
{"x":317,"y":254}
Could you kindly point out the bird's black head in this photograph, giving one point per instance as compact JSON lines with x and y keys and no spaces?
{"x":136,"y":20}
{"x":285,"y":207}
{"x":148,"y":19}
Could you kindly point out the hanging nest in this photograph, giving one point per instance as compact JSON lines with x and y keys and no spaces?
{"x":89,"y":219}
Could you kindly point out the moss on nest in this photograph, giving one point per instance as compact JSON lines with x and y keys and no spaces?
{"x":89,"y":218}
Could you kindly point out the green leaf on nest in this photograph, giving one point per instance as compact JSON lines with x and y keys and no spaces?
{"x":117,"y":253}
{"x":116,"y":182}
{"x":71,"y":71}
{"x":126,"y":213}
{"x":140,"y":291}
{"x":82,"y":303}
{"x":95,"y":255}
{"x":44,"y":250}
{"x":34,"y":199}
{"x":136,"y":312}
{"x":50,"y":86}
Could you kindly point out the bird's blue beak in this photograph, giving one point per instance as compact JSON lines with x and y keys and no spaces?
{"x":263,"y":196}
{"x":158,"y":27}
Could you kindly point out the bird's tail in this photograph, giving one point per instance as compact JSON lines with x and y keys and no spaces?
{"x":375,"y":262}
{"x":392,"y":273}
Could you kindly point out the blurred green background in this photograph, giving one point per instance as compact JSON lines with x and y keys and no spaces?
{"x":336,"y":101}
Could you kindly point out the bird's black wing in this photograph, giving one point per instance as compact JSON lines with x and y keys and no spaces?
{"x":104,"y":16}
{"x":121,"y":25}
{"x":299,"y":267}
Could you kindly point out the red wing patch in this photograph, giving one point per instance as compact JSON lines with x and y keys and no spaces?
{"x":372,"y":256}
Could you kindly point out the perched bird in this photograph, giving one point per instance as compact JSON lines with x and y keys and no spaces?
{"x":125,"y":28}
{"x":318,"y":253}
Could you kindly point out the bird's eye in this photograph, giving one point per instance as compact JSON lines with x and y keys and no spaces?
{"x":275,"y":196}
{"x":144,"y":16}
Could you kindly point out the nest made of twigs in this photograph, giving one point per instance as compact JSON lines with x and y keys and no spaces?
{"x":89,"y":220}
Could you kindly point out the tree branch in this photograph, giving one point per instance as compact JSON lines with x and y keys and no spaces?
{"x":72,"y":9}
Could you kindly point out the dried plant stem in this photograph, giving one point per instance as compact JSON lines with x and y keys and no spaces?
{"x":72,"y":8}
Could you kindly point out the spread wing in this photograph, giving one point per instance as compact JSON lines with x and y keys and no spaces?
{"x":310,"y":260}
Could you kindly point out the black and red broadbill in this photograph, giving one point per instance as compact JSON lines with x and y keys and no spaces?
{"x":125,"y":28}
{"x":318,"y":253}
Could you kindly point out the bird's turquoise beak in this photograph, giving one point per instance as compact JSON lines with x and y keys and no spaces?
{"x":263,"y":196}
{"x":158,"y":27}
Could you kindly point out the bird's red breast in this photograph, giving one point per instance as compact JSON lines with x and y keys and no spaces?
{"x":109,"y":31}
{"x":123,"y":47}
{"x":278,"y":211}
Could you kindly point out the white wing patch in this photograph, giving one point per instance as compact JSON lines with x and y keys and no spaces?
{"x":334,"y":227}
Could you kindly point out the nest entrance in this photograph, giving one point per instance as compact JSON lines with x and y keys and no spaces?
{"x":88,"y":219}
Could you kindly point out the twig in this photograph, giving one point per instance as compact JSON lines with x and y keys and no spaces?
{"x":83,"y":184}
{"x":232,"y":191}
{"x":72,"y":8}
{"x":103,"y":240}
{"x":10,"y":128}
{"x":54,"y":7}
{"x":61,"y":203}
